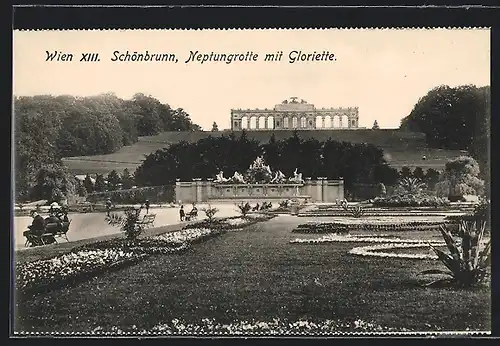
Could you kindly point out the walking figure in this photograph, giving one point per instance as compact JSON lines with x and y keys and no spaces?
{"x":108,"y":206}
{"x":146,"y":204}
{"x":182,"y":213}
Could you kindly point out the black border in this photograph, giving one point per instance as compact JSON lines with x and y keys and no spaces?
{"x":187,"y":16}
{"x":217,"y":17}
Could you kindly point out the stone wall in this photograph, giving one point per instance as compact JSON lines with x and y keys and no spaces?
{"x":319,"y":190}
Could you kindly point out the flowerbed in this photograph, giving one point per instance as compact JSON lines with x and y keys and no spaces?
{"x":411,"y":201}
{"x":372,"y":214}
{"x":189,"y":235}
{"x":344,"y":228}
{"x":372,"y":238}
{"x":45,"y":274}
{"x":209,"y":327}
{"x":378,"y":251}
{"x":89,"y":260}
{"x":384,"y":243}
{"x":231,"y":223}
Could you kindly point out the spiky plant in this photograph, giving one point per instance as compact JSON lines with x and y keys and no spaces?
{"x":468,"y":259}
{"x":210,"y":212}
{"x":411,"y":185}
{"x":357,"y":211}
{"x":129,"y":222}
{"x":244,"y":208}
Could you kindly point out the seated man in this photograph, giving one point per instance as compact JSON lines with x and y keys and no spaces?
{"x":52,"y":219}
{"x":38,"y":223}
{"x":194,"y":211}
{"x":36,"y":228}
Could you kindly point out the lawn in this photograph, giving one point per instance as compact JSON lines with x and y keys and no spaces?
{"x":256,"y":274}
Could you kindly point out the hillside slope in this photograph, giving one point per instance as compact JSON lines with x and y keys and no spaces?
{"x":400,"y":148}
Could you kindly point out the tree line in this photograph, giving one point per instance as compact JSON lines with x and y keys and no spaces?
{"x":455,"y":118}
{"x":355,"y":163}
{"x":48,"y":128}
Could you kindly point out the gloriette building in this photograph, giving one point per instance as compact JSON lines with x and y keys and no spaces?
{"x":293,"y":114}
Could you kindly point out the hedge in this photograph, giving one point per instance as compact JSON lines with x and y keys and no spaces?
{"x":411,"y":201}
{"x":154,"y":194}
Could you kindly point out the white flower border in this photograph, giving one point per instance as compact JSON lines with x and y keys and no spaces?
{"x":376,"y":250}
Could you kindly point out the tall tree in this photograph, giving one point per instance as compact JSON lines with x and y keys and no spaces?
{"x":453,"y":118}
{"x":100,"y":184}
{"x":114,"y":180}
{"x":418,"y":173}
{"x":127,"y":179}
{"x":88,"y":184}
{"x":460,"y":177}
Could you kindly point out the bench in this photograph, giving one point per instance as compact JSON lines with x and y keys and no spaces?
{"x":192,"y":215}
{"x":148,"y":220}
{"x":51,"y":233}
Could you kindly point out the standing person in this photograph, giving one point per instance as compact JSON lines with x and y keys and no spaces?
{"x":146,"y":204}
{"x":108,"y":206}
{"x":182,"y":214}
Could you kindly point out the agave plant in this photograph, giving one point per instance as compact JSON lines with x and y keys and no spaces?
{"x":357,"y":211}
{"x":129,"y":222}
{"x":468,"y":259}
{"x":411,"y":185}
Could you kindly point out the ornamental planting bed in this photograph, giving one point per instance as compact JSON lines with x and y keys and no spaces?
{"x":276,"y":326}
{"x":374,"y":214}
{"x":346,"y":227}
{"x":90,"y":260}
{"x":241,"y":281}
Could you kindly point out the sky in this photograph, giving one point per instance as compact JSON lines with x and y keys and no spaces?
{"x":384,"y":72}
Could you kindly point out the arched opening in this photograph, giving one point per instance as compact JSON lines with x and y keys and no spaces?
{"x":328,"y":121}
{"x":253,"y":122}
{"x":336,"y":121}
{"x":262,"y":122}
{"x":303,"y":122}
{"x":294,"y":122}
{"x":345,"y":121}
{"x":319,"y":122}
{"x":286,"y":124}
{"x":244,"y":122}
{"x":270,"y":122}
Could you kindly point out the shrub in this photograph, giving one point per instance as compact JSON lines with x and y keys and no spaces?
{"x":410,"y":200}
{"x":467,"y":260}
{"x":244,"y":208}
{"x":210,"y":212}
{"x":128,"y":222}
{"x":284,"y":204}
{"x":357,"y":211}
{"x":410,"y":186}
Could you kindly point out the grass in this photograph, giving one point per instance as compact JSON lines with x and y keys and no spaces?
{"x":401,"y":149}
{"x":258,"y":274}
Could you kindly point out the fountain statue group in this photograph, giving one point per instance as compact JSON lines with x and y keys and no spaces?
{"x":259,"y":166}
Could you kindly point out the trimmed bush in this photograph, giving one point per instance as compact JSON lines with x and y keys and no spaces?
{"x":154,"y":194}
{"x":411,"y":201}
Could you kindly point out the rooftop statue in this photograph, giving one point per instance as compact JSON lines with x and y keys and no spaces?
{"x":279,"y":177}
{"x":238,"y":178}
{"x":297,"y":177}
{"x":219,"y":178}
